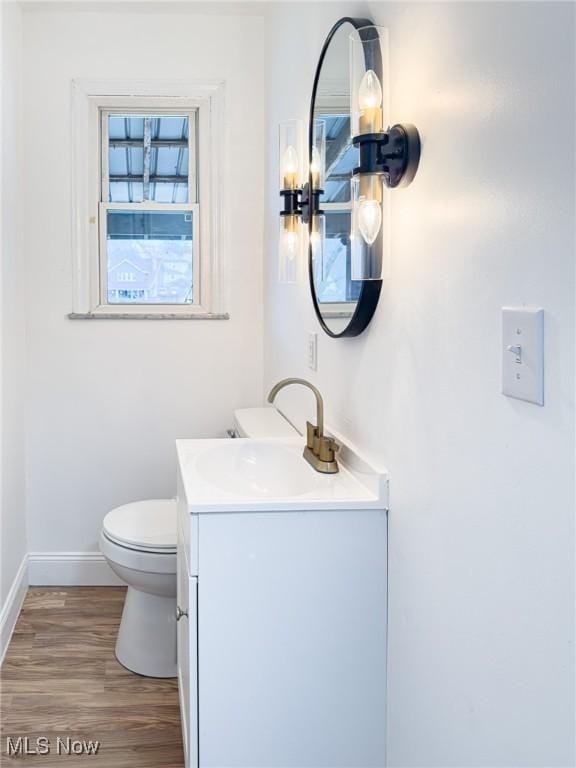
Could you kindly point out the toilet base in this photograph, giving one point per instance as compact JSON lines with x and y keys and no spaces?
{"x":146,"y":641}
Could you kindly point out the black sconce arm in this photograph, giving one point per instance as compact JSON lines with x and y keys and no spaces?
{"x":291,"y":200}
{"x":310,"y":203}
{"x":301,"y":202}
{"x":394,"y":153}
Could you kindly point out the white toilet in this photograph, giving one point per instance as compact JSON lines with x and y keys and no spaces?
{"x":139,"y":542}
{"x":262,"y":422}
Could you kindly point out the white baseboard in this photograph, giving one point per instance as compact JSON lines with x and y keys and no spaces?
{"x":70,"y":569}
{"x":12,"y":606}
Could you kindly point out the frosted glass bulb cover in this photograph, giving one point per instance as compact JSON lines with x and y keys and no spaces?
{"x":370,"y":91}
{"x":369,"y":219}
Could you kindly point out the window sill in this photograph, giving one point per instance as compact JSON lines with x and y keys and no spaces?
{"x":147,"y":316}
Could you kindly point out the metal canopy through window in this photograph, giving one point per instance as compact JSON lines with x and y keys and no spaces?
{"x":149,"y":158}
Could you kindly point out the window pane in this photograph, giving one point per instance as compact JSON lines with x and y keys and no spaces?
{"x":148,"y":158}
{"x":170,"y":193}
{"x":172,"y":127}
{"x":337,"y":286}
{"x":150,"y":257}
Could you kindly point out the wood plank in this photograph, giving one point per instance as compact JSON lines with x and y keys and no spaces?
{"x":168,"y":738}
{"x":139,"y":717}
{"x":88,"y":607}
{"x":62,"y":621}
{"x":144,"y":685}
{"x":92,"y":686}
{"x":21,"y":642}
{"x":46,"y":666}
{"x":155,"y":696}
{"x":97,"y":593}
{"x":82,"y":642}
{"x":44,"y":599}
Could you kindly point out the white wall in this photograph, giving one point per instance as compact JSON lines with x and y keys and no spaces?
{"x":108,"y":398}
{"x":481,"y":656}
{"x":12,"y":518}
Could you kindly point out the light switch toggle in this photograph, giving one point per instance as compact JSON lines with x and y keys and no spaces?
{"x":523,"y":353}
{"x":516,"y":350}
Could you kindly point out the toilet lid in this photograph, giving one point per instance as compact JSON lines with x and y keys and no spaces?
{"x":148,"y":524}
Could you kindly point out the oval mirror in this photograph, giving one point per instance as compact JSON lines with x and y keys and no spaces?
{"x":344,"y":306}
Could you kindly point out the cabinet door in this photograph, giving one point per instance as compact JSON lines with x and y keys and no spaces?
{"x":187,"y":658}
{"x":292,"y":639}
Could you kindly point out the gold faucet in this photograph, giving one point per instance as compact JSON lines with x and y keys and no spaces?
{"x":320,"y":450}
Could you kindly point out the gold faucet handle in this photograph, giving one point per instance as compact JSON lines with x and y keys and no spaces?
{"x":327,"y":448}
{"x":311,"y":435}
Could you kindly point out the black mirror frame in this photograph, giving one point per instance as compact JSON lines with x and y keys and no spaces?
{"x":370,"y":291}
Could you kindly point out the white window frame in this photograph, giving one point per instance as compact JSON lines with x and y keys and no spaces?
{"x":91,"y":99}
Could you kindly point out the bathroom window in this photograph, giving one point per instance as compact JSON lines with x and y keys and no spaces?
{"x":149,"y":232}
{"x":147,"y":243}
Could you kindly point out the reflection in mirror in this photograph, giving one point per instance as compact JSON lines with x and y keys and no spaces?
{"x":336,"y":292}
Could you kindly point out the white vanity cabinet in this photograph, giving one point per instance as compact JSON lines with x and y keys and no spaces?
{"x":282,"y":656}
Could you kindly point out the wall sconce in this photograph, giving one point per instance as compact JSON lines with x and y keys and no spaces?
{"x":388,"y":157}
{"x":301,"y":198}
{"x":314,"y":215}
{"x":291,"y":174}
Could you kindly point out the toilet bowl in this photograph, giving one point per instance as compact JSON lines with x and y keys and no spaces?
{"x":139,"y":542}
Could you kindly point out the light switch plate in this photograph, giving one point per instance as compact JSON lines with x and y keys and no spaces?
{"x":523,"y":354}
{"x":313,"y":351}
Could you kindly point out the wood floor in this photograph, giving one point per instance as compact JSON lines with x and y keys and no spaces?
{"x":60,"y":678}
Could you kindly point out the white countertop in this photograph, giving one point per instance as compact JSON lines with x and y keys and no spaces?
{"x":241,"y":475}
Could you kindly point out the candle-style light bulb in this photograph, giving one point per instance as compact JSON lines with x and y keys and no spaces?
{"x":290,"y":243}
{"x":370,"y":103}
{"x":290,"y":167}
{"x":370,"y":91}
{"x":369,"y":219}
{"x":315,"y":168}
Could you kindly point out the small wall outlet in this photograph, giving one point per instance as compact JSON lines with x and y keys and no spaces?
{"x":313,"y":351}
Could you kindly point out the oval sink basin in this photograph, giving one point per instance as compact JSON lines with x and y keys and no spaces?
{"x":258,"y":470}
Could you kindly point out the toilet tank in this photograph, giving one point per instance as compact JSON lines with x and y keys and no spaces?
{"x":262,"y":422}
